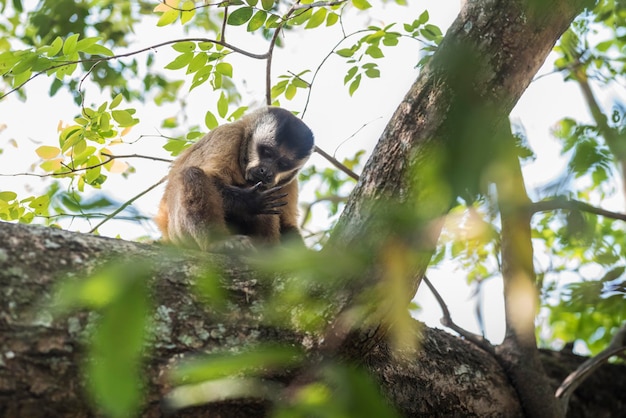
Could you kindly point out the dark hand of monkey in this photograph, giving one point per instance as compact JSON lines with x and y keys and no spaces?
{"x":253,"y":200}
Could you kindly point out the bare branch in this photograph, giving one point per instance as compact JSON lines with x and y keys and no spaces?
{"x":571,"y":382}
{"x":147,"y":157}
{"x":336,"y":163}
{"x":72,"y":170}
{"x":447,"y":321}
{"x":126,"y":204}
{"x":560,"y":203}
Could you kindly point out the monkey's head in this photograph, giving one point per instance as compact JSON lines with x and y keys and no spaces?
{"x":277,"y":146}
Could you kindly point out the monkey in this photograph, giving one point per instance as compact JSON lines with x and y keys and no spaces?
{"x":239,"y":179}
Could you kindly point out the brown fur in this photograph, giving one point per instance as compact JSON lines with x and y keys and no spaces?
{"x":191,"y":212}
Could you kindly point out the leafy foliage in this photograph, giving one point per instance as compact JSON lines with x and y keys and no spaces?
{"x":81,"y":46}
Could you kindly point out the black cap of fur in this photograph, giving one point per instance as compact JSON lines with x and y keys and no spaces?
{"x":292,"y":132}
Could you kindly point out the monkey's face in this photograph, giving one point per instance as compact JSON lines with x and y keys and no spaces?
{"x":271,"y":165}
{"x":278,"y":146}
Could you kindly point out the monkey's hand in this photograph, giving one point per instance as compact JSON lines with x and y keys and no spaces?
{"x":253,"y":200}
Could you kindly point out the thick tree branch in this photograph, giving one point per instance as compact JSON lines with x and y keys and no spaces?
{"x":40,"y":355}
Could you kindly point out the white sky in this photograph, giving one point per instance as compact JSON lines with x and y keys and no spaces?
{"x":332,"y":115}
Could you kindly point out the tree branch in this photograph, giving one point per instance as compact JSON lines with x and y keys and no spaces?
{"x":571,"y":382}
{"x":559,"y":203}
{"x":125,"y":205}
{"x":447,"y":321}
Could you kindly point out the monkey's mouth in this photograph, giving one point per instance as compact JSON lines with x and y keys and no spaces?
{"x":253,"y":179}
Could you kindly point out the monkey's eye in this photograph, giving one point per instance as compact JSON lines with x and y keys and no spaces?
{"x":265,"y":152}
{"x":284,"y":165}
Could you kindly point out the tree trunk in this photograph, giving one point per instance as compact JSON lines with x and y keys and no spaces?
{"x":40,"y":356}
{"x":486,"y":61}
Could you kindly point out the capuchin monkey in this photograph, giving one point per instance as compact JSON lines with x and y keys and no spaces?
{"x":239,"y":179}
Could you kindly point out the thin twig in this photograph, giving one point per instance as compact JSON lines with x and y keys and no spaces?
{"x":336,"y":163}
{"x":71,"y":170}
{"x":559,"y":203}
{"x":147,"y":157}
{"x":126,"y":204}
{"x":571,"y":382}
{"x":446,"y":321}
{"x":270,"y":51}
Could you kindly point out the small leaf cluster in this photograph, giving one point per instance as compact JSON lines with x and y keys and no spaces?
{"x":173,"y":10}
{"x":366,"y":48}
{"x":470,"y":237}
{"x":589,"y":154}
{"x":289,"y":85}
{"x":78,"y":153}
{"x":429,"y":34}
{"x":60,"y":59}
{"x":204,"y":64}
{"x":22,"y":210}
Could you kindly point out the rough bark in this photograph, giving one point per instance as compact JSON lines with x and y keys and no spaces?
{"x":40,"y":355}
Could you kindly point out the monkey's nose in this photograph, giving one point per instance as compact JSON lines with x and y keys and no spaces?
{"x":263,"y":175}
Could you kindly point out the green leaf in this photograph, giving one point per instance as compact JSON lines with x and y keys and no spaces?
{"x":222,"y":105}
{"x":123,"y":118}
{"x":361,"y":4}
{"x":185,"y":46}
{"x":180,"y":61}
{"x":372,"y":72}
{"x":299,"y":19}
{"x":201,"y":76}
{"x":391,"y":39}
{"x":116,"y":101}
{"x":188,"y":13}
{"x":267,"y":4}
{"x":317,"y":19}
{"x":272,"y":21}
{"x":240,"y":16}
{"x":98,"y":50}
{"x":290,"y":92}
{"x":8,"y":196}
{"x":224,"y":68}
{"x":47,"y":152}
{"x":55,"y":46}
{"x":423,"y":18}
{"x":345,"y":52}
{"x":197,"y":62}
{"x":374,"y":51}
{"x":168,"y":17}
{"x":331,"y":19}
{"x":355,"y":84}
{"x":257,"y":20}
{"x":350,"y":74}
{"x":87,"y":42}
{"x":40,"y":204}
{"x":70,"y":44}
{"x":279,"y":88}
{"x":210,"y":120}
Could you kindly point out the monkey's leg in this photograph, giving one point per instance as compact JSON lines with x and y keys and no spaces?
{"x":203,"y":215}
